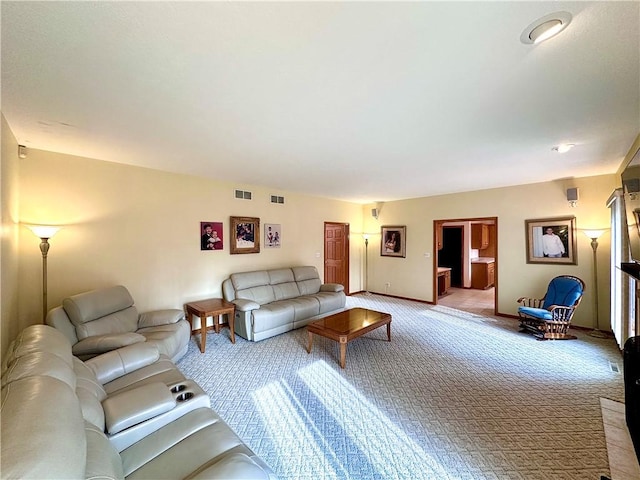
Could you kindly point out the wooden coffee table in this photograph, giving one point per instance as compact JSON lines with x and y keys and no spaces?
{"x":348,"y":325}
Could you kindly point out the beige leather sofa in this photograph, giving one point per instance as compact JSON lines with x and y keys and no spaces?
{"x":271,"y":302}
{"x":128,"y":413}
{"x":101,"y":320}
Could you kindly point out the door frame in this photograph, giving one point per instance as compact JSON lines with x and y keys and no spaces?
{"x":436,"y":225}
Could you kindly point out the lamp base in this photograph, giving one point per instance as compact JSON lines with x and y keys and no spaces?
{"x":596,"y":333}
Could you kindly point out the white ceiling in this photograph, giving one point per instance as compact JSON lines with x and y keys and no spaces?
{"x":361,"y":101}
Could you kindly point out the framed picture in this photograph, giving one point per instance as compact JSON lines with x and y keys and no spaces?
{"x":272,"y":235}
{"x":245,"y":233}
{"x":551,"y":240}
{"x":393,"y":241}
{"x":211,"y":236}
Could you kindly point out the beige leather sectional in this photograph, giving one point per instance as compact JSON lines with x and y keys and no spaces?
{"x":128,"y":413}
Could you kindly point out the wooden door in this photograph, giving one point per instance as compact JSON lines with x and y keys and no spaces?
{"x":336,"y":254}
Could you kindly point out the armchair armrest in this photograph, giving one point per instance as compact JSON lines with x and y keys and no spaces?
{"x":105,"y":343}
{"x":116,"y":363}
{"x":331,"y":287}
{"x":134,"y":406}
{"x":531,"y":302}
{"x":561,"y":313}
{"x":160,"y":317}
{"x":245,"y":305}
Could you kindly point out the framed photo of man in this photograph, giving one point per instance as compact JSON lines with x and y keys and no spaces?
{"x":551,"y":240}
{"x":211,"y":236}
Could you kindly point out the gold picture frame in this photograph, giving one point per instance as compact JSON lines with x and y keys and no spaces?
{"x":552,"y":240}
{"x":245,"y":235}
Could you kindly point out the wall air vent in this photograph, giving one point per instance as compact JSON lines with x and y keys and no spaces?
{"x":243,"y":195}
{"x":277,"y":199}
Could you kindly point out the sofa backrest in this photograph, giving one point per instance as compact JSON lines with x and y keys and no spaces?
{"x":265,"y":286}
{"x":253,"y":286}
{"x":103,"y":311}
{"x":307,"y":279}
{"x":283,"y":283}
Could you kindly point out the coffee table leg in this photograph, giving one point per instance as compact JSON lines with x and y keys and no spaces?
{"x":343,"y":352}
{"x":310,"y":343}
{"x":389,"y":331}
{"x":203,"y":333}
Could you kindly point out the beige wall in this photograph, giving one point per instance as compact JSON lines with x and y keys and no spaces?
{"x":413,"y":276}
{"x":9,"y":327}
{"x":139,"y":227}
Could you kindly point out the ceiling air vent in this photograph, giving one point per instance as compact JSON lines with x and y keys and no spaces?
{"x":277,"y":199}
{"x":243,"y":195}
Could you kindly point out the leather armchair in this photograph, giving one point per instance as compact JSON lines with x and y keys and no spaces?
{"x":106,"y":319}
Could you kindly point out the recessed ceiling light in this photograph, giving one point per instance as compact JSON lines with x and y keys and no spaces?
{"x":563,"y":147}
{"x":545,"y":27}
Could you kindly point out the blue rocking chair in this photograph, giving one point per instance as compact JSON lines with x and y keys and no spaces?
{"x":549,"y":317}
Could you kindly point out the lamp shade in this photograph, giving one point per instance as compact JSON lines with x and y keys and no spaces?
{"x":44,"y":231}
{"x":594,"y":233}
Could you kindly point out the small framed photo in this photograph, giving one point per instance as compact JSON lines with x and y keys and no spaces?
{"x":552,"y":240}
{"x":245,"y":233}
{"x":211,"y":236}
{"x":393,"y":241}
{"x":272,"y":235}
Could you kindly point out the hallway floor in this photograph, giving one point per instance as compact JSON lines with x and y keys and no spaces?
{"x":470,"y":300}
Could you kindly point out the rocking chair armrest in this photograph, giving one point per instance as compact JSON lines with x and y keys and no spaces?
{"x":559,"y":307}
{"x":531,"y":302}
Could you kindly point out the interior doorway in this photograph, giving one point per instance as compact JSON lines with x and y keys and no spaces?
{"x":467,"y":249}
{"x":336,"y":254}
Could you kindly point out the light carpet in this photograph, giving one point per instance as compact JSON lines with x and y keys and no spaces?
{"x":454,"y":395}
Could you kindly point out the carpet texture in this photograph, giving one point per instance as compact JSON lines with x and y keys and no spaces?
{"x":454,"y":395}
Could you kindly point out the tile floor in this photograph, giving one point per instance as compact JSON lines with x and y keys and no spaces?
{"x":470,"y":300}
{"x":622,"y":459}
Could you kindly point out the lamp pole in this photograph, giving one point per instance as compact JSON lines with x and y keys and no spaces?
{"x":44,"y":233}
{"x":594,"y":235}
{"x":366,"y":264}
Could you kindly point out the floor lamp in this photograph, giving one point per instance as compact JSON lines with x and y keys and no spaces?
{"x":366,"y":263}
{"x":44,"y":233}
{"x":594,"y":235}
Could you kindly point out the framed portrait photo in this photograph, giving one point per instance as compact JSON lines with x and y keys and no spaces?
{"x":393,"y":241}
{"x":551,"y":240}
{"x":211,"y":236}
{"x":245,"y":235}
{"x":272,"y":235}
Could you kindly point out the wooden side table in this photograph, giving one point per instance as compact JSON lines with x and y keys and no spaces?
{"x":212,"y":307}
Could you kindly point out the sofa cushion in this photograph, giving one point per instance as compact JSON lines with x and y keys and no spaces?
{"x":92,"y":346}
{"x":330,"y":301}
{"x":262,"y":294}
{"x":273,"y":315}
{"x":305,"y":307}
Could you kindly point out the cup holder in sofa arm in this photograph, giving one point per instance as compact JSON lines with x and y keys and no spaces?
{"x":178,"y":388}
{"x":183,"y":398}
